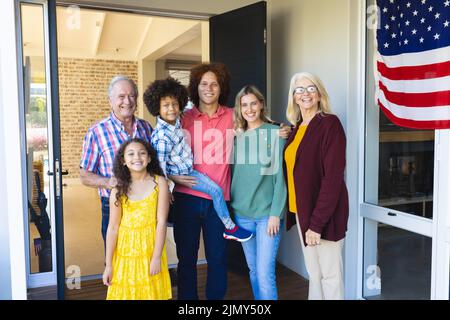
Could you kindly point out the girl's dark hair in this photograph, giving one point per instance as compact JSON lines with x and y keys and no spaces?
{"x":159,"y":89}
{"x":223,"y":78}
{"x":122,"y":173}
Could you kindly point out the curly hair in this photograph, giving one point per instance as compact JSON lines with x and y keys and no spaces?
{"x":223,"y":78}
{"x":122,"y":173}
{"x":160,"y":89}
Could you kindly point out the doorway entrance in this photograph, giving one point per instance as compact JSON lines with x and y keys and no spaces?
{"x":93,"y":46}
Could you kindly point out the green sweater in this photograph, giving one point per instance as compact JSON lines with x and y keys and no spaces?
{"x":257,"y":187}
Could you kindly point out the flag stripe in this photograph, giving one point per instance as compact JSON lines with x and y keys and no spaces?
{"x":428,"y":71}
{"x":417,"y":58}
{"x":426,"y":114}
{"x":428,"y":99}
{"x":440,"y":124}
{"x":417,"y":86}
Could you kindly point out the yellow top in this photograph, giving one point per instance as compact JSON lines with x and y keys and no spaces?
{"x":289,"y":156}
{"x":131,"y":262}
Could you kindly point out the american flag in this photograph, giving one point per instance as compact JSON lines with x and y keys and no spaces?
{"x":413,"y":62}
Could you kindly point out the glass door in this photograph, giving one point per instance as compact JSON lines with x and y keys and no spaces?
{"x":399,"y":197}
{"x":42,"y":162}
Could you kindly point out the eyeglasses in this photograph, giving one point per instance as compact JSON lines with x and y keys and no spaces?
{"x":301,"y":90}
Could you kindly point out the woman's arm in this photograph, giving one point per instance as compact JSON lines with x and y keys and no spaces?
{"x":115,"y":216}
{"x":161,"y":225}
{"x":333,"y":159}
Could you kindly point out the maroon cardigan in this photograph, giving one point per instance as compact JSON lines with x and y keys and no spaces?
{"x":322,"y":198}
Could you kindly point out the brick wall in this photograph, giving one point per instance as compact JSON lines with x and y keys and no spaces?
{"x":83,"y":94}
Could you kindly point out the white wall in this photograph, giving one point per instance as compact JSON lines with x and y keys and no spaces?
{"x":321,"y":37}
{"x":12,"y":243}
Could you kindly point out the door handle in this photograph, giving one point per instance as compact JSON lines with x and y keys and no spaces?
{"x":392,"y":214}
{"x":64,"y":173}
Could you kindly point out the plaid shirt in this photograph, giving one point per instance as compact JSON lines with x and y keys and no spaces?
{"x":174,"y":153}
{"x":102,"y":141}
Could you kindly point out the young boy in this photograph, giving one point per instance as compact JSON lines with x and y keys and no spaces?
{"x":165,"y":99}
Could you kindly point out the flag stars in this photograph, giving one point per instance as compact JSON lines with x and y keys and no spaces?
{"x":393,"y":18}
{"x":394,"y":36}
{"x":401,"y":15}
{"x":385,"y":10}
{"x":430,"y":9}
{"x":424,"y":1}
{"x":429,"y":28}
{"x":386,"y":45}
{"x":422,"y":20}
{"x":421,"y":40}
{"x":406,"y":41}
{"x":391,"y":1}
{"x":407,"y":23}
{"x":437,"y":15}
{"x":446,"y":24}
{"x":401,"y":33}
{"x":447,"y":3}
{"x":386,"y":27}
{"x":415,"y":13}
{"x":436,"y":36}
{"x":408,"y":5}
{"x":414,"y":32}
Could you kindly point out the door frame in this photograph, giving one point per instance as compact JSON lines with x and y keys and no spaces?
{"x":46,"y":278}
{"x":56,"y":276}
{"x":438,"y":228}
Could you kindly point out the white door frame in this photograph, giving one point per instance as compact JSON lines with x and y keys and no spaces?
{"x":45,"y":278}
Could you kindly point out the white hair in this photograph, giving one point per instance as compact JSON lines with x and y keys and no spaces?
{"x":121,"y":78}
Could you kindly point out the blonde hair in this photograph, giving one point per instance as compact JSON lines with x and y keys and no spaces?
{"x":240,"y":124}
{"x":293,"y":113}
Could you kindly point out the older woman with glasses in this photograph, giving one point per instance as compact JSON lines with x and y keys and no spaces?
{"x":314,"y":163}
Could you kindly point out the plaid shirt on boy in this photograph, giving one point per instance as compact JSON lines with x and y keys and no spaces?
{"x":103,"y":140}
{"x":174,"y":153}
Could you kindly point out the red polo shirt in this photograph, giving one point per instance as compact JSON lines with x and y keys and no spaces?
{"x":211,"y":141}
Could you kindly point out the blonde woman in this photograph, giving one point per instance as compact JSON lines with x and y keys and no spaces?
{"x":314,"y":163}
{"x":258,"y":189}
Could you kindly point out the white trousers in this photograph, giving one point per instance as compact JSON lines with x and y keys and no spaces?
{"x":325,"y":268}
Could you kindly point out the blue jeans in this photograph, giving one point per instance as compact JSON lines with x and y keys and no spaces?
{"x":105,"y":217}
{"x":206,"y":185}
{"x":261,"y":252}
{"x":191,"y":215}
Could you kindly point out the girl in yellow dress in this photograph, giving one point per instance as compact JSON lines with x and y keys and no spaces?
{"x":136,"y":260}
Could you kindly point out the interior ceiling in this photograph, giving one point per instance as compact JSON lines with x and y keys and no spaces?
{"x":106,"y":35}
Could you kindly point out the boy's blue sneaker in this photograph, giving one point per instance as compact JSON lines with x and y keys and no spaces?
{"x":238,"y":234}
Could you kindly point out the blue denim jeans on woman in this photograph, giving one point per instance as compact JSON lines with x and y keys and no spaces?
{"x":261,"y":252}
{"x":206,"y":185}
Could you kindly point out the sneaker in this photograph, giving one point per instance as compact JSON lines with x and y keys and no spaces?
{"x":238,"y":234}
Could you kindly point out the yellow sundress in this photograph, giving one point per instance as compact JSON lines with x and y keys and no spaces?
{"x":131,"y":278}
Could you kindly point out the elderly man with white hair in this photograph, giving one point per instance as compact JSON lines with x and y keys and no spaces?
{"x":104,"y":138}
